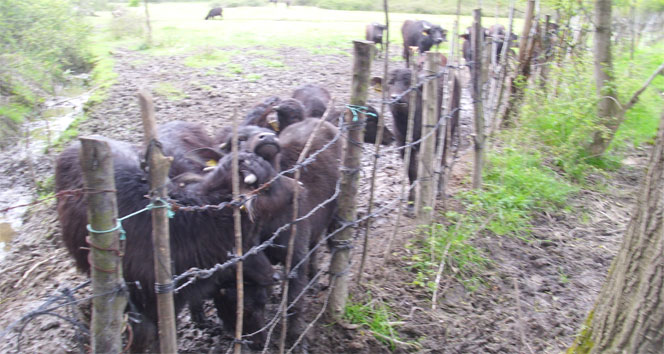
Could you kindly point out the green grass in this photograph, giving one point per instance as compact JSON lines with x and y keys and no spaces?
{"x":426,"y":253}
{"x":169,"y":91}
{"x":253,"y":77}
{"x":270,"y":63}
{"x":642,"y":120}
{"x":15,"y":111}
{"x":180,"y":28}
{"x":517,"y":184}
{"x":376,"y":316}
{"x":209,"y":57}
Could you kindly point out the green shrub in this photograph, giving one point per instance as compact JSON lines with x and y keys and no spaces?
{"x":42,"y":42}
{"x":128,"y":24}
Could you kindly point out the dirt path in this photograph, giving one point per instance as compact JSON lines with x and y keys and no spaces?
{"x":557,"y":273}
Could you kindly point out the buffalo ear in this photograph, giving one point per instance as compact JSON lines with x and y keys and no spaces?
{"x":465,"y":36}
{"x":206,"y":156}
{"x":377,"y":83}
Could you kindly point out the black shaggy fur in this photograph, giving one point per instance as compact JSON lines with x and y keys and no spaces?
{"x":198,"y":239}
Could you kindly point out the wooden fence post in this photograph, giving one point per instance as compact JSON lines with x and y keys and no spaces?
{"x":503,"y":65}
{"x":105,"y":260}
{"x":237,"y":225}
{"x":523,"y":72}
{"x":377,"y":144}
{"x":430,"y":116}
{"x":363,"y":56}
{"x":159,"y":165}
{"x":477,"y":43}
{"x":406,"y":159}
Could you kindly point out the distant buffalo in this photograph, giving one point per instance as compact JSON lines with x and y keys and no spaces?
{"x":496,"y":32}
{"x":398,"y":85}
{"x":217,"y":11}
{"x":420,"y":34}
{"x":315,"y":99}
{"x":374,"y":33}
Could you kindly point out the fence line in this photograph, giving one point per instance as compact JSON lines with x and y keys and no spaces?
{"x":192,"y":274}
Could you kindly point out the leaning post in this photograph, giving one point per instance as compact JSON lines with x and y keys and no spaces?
{"x":363,"y":55}
{"x":159,"y":165}
{"x":105,"y":253}
{"x":425,"y":173}
{"x":476,"y":42}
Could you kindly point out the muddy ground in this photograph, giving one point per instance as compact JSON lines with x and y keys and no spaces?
{"x":534,"y":297}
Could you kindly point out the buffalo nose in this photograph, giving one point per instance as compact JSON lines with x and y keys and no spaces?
{"x":276,"y":277}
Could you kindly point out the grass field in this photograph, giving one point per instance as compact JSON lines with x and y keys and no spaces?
{"x":179,"y":27}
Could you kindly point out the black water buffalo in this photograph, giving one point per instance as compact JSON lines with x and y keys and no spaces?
{"x":496,"y":32}
{"x":217,"y":11}
{"x":420,"y":34}
{"x":315,"y":99}
{"x":320,"y":177}
{"x":398,"y":83}
{"x":275,"y":113}
{"x":317,"y":184}
{"x":191,"y":147}
{"x":251,"y":138}
{"x":198,"y":239}
{"x":374,"y":33}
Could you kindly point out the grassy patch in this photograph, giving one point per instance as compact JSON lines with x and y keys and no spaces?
{"x":270,"y":63}
{"x":179,"y":27}
{"x":209,"y":57}
{"x":254,"y":77}
{"x":376,"y":316}
{"x":234,"y":68}
{"x":169,"y":91}
{"x":517,"y":184}
{"x":15,"y":111}
{"x":449,"y":240}
{"x":560,"y":122}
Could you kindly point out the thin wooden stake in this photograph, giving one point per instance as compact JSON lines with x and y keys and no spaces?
{"x":291,"y":238}
{"x":237,"y":225}
{"x":476,"y":40}
{"x":430,"y":115}
{"x":159,"y":166}
{"x":502,"y":73}
{"x":363,"y":55}
{"x":406,"y":161}
{"x":106,"y":265}
{"x":377,"y":146}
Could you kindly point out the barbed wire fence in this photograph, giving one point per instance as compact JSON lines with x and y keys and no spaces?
{"x":66,"y":298}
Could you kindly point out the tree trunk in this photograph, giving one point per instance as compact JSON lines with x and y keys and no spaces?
{"x":628,"y":316}
{"x":607,"y":108}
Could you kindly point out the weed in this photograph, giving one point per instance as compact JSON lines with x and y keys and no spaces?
{"x":253,"y":77}
{"x":270,"y":63}
{"x":169,"y":91}
{"x":209,"y":57}
{"x":449,"y":240}
{"x":374,"y":314}
{"x":235,"y":68}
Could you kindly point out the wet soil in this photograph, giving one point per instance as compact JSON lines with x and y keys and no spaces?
{"x":533,"y":298}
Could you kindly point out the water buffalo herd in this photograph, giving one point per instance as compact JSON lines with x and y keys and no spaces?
{"x":270,"y":140}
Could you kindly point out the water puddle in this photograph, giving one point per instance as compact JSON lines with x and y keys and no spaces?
{"x":57,"y":115}
{"x":6,"y":235}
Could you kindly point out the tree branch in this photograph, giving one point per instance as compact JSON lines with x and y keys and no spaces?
{"x":635,"y":97}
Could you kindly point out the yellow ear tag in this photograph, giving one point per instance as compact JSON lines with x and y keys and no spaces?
{"x":211,"y":163}
{"x":275,"y":125}
{"x":378,"y":88}
{"x":424,"y":33}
